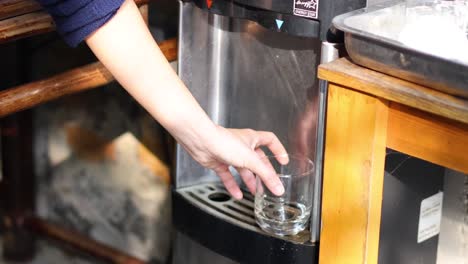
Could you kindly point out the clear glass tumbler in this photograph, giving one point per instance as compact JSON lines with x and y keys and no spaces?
{"x":289,"y":213}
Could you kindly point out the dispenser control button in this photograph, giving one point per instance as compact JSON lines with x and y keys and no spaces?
{"x":279,"y":23}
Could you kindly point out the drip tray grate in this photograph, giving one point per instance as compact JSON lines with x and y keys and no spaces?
{"x":214,"y":199}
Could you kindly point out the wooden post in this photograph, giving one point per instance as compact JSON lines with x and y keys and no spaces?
{"x":353,"y":177}
{"x":17,"y":188}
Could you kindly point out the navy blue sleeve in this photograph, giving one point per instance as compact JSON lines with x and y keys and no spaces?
{"x":77,"y":19}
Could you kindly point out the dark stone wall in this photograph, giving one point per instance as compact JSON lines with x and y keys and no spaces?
{"x":101,"y":162}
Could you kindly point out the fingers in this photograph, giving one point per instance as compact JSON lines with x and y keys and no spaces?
{"x":264,"y":158}
{"x":272,"y":142}
{"x":266,"y":173}
{"x":249,"y":179}
{"x":229,"y":181}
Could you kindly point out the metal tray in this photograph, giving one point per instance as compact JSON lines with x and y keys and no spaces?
{"x":371,"y":41}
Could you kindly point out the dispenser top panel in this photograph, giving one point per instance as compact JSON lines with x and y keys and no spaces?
{"x":273,"y":15}
{"x":304,"y":18}
{"x":302,"y":8}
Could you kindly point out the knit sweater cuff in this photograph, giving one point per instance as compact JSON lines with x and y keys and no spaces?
{"x":77,"y":19}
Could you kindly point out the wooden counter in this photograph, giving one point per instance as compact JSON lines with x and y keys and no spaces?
{"x":367,"y":112}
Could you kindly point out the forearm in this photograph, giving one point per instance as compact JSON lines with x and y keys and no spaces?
{"x":125,"y":46}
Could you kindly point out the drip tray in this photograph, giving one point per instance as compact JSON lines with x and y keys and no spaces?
{"x":209,"y":215}
{"x":215,"y":199}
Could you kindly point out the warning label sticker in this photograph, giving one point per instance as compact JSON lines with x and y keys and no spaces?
{"x":429,"y":217}
{"x":306,"y":8}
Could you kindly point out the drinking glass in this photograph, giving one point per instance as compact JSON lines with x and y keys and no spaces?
{"x":289,"y":213}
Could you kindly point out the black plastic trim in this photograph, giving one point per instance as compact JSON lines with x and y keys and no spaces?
{"x":292,"y":25}
{"x":235,"y":242}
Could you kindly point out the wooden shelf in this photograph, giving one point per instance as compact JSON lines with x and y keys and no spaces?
{"x":344,"y":72}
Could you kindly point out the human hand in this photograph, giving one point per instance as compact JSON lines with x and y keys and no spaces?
{"x":150,"y":79}
{"x":239,"y":148}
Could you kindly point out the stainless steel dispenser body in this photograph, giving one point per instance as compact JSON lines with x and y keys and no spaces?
{"x":245,"y":74}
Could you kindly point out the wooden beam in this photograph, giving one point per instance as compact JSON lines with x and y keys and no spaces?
{"x":35,"y":93}
{"x":353,"y":177}
{"x":30,"y":24}
{"x":80,"y":79}
{"x":429,"y":137}
{"x":25,"y":25}
{"x":11,"y":8}
{"x":81,"y":242}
